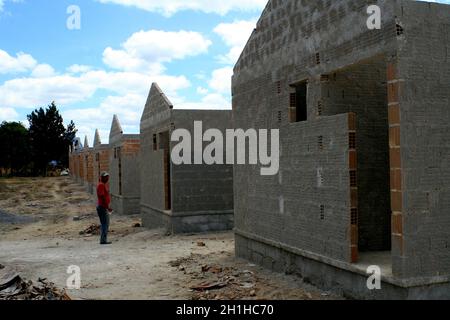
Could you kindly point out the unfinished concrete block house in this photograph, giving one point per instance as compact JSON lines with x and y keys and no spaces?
{"x":101,"y":158}
{"x":124,"y":170}
{"x":365,"y":152}
{"x":80,"y":166}
{"x":88,"y":163}
{"x":74,"y":151}
{"x":181,"y":198}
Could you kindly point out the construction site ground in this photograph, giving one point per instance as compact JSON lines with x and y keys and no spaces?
{"x":50,"y":224}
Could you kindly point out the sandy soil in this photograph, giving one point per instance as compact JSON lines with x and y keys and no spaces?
{"x":40,"y":239}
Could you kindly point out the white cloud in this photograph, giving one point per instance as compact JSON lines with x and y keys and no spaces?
{"x":200,"y":76}
{"x":221,"y":80}
{"x":216,"y":97}
{"x":202,"y":91}
{"x":43,"y":71}
{"x":77,"y":68}
{"x":21,"y":63}
{"x":129,"y":94}
{"x":438,"y":1}
{"x":32,"y":92}
{"x":235,"y":35}
{"x":68,"y":89}
{"x":170,"y":7}
{"x":147,"y":51}
{"x":213,"y":101}
{"x":128,"y":107}
{"x":2,"y":3}
{"x":123,"y":60}
{"x":8,"y":114}
{"x":138,"y":62}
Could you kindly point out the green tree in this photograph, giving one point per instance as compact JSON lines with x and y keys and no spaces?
{"x":49,"y":139}
{"x":14,"y":146}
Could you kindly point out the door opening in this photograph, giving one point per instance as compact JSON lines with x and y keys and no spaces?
{"x":362,"y":89}
{"x":164,"y":144}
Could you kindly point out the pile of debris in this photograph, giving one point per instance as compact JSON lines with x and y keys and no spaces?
{"x":214,"y":282}
{"x":230,"y":283}
{"x":91,"y":230}
{"x":13,"y":287}
{"x":218,"y":276}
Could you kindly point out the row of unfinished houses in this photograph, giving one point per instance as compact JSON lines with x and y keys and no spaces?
{"x":364,"y":179}
{"x":143,"y":179}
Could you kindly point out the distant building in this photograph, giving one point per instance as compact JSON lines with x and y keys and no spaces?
{"x":124,"y":170}
{"x":101,"y":158}
{"x":76,"y":161}
{"x":88,"y":162}
{"x":181,"y":198}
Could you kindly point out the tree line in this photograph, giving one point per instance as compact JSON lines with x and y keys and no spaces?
{"x":34,"y":150}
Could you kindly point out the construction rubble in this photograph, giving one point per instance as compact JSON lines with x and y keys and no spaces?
{"x":91,"y":230}
{"x":14,"y":287}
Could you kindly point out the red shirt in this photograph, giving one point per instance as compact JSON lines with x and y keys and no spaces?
{"x":104,"y":199}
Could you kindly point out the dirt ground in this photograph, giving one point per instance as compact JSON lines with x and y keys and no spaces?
{"x":39,"y":238}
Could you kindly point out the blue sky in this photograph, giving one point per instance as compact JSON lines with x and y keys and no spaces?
{"x":107,"y":66}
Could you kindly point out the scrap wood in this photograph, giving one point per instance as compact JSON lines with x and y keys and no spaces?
{"x":13,"y":287}
{"x":209,"y":286}
{"x":212,"y":269}
{"x":7,"y":279}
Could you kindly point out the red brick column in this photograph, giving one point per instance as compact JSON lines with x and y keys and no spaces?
{"x":353,"y":166}
{"x":81,"y":167}
{"x":89,"y":167}
{"x":395,"y":158}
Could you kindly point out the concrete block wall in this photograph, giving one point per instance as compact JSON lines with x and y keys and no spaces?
{"x":156,"y":118}
{"x":101,"y":162}
{"x":347,"y":280}
{"x":201,"y":197}
{"x":76,"y":166}
{"x":88,"y":170}
{"x":71,"y":163}
{"x":81,"y":169}
{"x":199,"y":188}
{"x":362,"y":89}
{"x":152,"y":177}
{"x":419,"y":98}
{"x":308,"y":204}
{"x":296,"y":41}
{"x":130,"y":153}
{"x":124,"y":171}
{"x":131,"y":173}
{"x":312,"y":182}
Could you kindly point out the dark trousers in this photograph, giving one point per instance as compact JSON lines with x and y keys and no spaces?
{"x":104,"y":220}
